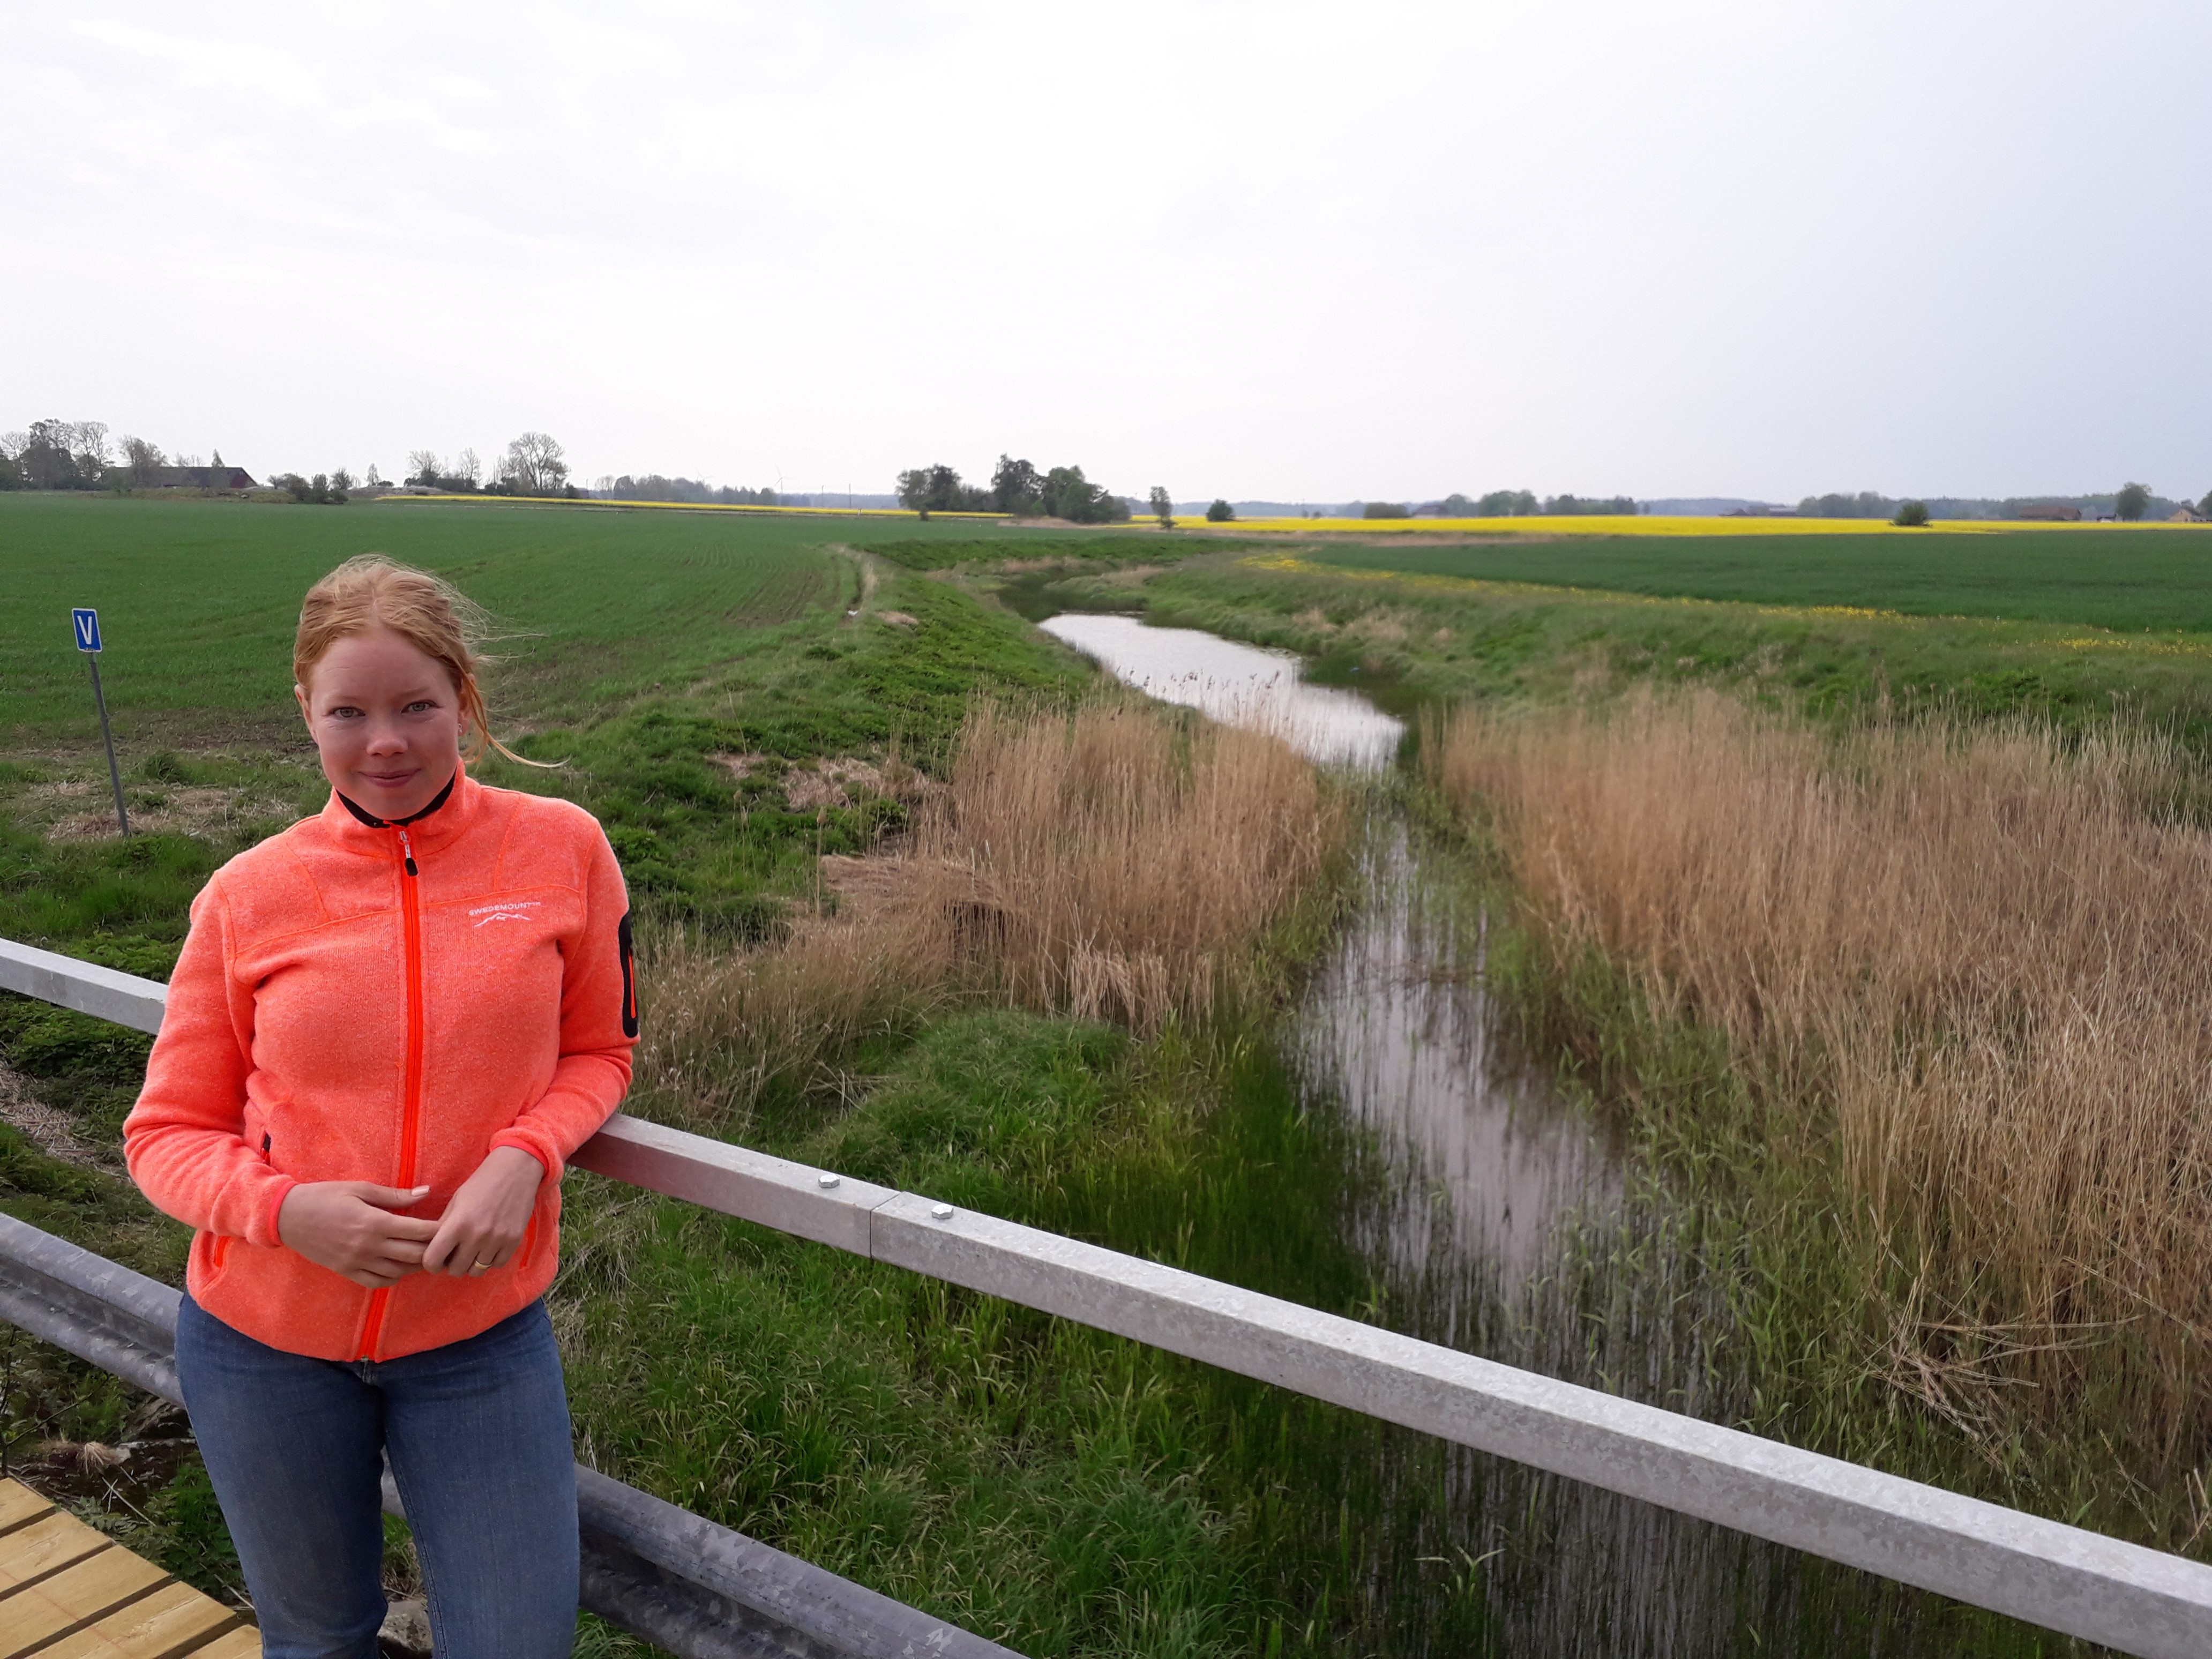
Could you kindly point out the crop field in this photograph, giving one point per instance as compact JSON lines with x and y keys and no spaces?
{"x":198,"y":600}
{"x":1543,"y":526}
{"x":2157,"y":578}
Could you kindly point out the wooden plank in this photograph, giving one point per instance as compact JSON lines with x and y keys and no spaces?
{"x":61,"y":1595}
{"x":175,"y":1620}
{"x":18,"y":1505}
{"x":74,"y":1598}
{"x":56,"y":1539}
{"x":244,"y":1642}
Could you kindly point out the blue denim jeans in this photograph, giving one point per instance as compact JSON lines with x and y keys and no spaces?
{"x":477,"y":1434}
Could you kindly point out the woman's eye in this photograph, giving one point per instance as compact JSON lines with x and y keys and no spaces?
{"x":345,"y":711}
{"x":422,"y":706}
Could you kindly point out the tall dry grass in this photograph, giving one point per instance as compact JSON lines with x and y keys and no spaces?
{"x":1112,"y":860}
{"x":1967,"y":968}
{"x":1119,"y":864}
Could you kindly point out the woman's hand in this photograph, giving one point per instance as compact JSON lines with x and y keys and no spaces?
{"x":486,"y":1219}
{"x":350,"y":1227}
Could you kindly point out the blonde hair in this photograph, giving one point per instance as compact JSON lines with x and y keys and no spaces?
{"x":432,"y":615}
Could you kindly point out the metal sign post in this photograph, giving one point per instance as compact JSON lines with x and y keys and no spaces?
{"x":85,"y":625}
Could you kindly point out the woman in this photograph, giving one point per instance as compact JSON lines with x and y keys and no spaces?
{"x":389,"y":1028}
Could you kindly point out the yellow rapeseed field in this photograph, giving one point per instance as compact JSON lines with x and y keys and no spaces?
{"x":1621,"y":523}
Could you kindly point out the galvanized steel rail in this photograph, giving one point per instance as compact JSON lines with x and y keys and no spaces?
{"x":696,"y":1589}
{"x":2139,"y":1600}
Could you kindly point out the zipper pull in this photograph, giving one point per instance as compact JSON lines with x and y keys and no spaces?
{"x":407,"y":853}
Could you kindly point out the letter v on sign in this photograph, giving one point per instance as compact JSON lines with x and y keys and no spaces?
{"x":88,"y":628}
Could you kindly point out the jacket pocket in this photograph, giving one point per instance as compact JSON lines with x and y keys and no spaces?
{"x":263,"y":1116}
{"x":529,"y":1240}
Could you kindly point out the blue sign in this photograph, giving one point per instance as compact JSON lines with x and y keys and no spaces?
{"x":88,"y":629}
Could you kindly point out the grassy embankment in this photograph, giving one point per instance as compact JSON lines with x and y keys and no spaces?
{"x":1903,"y":993}
{"x":730,"y":720}
{"x":2074,"y":625}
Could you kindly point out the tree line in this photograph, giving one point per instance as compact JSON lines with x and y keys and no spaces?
{"x":2130,"y":503}
{"x":656,"y":487}
{"x":78,"y":455}
{"x":1017,"y":489}
{"x":1525,"y":504}
{"x":534,"y":464}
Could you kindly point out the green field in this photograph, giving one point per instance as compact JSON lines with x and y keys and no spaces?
{"x":640,"y":647}
{"x":198,"y":599}
{"x":2107,"y":576}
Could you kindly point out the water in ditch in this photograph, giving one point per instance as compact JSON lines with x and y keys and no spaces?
{"x":1513,"y":1221}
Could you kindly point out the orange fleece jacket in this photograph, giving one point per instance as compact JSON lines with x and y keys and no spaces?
{"x":334,"y":1017}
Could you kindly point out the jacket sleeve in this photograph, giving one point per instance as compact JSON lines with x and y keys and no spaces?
{"x":599,"y":1024}
{"x":186,"y":1139}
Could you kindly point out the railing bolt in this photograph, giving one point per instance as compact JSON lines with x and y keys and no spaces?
{"x":826,"y":1182}
{"x":942,"y":1212}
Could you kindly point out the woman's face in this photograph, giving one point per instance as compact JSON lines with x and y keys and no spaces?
{"x":388,"y":720}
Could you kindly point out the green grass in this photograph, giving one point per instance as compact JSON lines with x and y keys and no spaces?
{"x":2112,"y":576}
{"x":1060,"y":1490}
{"x":945,"y":551}
{"x":1410,"y":638}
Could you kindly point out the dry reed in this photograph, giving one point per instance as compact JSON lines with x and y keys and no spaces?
{"x":1113,"y":861}
{"x":1967,"y":969}
{"x":1118,"y":864}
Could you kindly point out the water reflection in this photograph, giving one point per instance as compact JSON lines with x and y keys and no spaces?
{"x":1397,"y":1029}
{"x":1237,"y":684}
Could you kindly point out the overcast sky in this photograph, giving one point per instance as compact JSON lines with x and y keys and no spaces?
{"x":1278,"y":250}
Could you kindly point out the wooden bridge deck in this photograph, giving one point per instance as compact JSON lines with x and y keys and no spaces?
{"x":68,"y":1592}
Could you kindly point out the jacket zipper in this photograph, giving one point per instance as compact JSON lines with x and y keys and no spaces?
{"x":410,"y":1111}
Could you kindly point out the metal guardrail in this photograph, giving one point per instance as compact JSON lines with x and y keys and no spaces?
{"x":2139,"y":1600}
{"x":696,"y":1589}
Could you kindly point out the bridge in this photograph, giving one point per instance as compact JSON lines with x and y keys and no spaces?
{"x":704,"y":1592}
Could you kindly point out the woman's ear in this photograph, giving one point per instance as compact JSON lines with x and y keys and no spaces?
{"x":300,"y":696}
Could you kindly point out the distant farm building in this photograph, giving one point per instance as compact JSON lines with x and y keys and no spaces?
{"x":2185,"y":514}
{"x":202,"y":477}
{"x":2052,"y":512}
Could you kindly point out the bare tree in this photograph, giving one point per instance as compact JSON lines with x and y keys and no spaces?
{"x":145,"y":461}
{"x":423,"y":466}
{"x":1164,"y":507}
{"x":534,"y":466}
{"x":63,"y":454}
{"x":468,"y":468}
{"x":87,"y":443}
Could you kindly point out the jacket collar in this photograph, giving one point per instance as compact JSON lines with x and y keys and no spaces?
{"x":443,"y":819}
